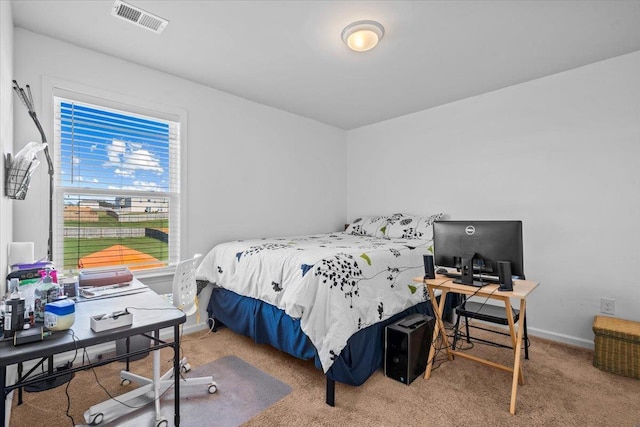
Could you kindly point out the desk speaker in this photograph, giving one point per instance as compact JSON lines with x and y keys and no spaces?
{"x":429,"y":269}
{"x":407,"y":344}
{"x":504,"y":276}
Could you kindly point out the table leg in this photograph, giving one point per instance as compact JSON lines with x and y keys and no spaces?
{"x":176,"y":374}
{"x":512,"y":332}
{"x":156,"y":373}
{"x":439,"y":330}
{"x":20,"y":368}
{"x":3,"y":380}
{"x":516,"y":364}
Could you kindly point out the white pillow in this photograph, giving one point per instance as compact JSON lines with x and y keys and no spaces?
{"x":368,"y":226}
{"x":411,"y":226}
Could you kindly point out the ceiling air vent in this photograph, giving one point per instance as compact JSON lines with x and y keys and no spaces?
{"x":139,"y":17}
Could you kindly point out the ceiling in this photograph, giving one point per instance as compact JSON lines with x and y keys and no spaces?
{"x":289,"y":54}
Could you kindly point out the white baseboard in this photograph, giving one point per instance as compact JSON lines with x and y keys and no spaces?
{"x":548,"y":335}
{"x":562,"y":338}
{"x":542,"y":333}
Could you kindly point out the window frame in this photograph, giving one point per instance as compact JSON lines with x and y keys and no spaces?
{"x":54,"y":87}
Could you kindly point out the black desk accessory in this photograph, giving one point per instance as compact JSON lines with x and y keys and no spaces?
{"x":504,"y":275}
{"x":429,"y":270}
{"x":466,"y":268}
{"x":407,"y":344}
{"x":29,"y":335}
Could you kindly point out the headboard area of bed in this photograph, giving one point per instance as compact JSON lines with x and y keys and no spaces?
{"x":396,"y":226}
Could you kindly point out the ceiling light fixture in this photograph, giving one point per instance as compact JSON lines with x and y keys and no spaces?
{"x":362,"y":36}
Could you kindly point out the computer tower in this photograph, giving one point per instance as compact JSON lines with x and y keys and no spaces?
{"x":406,"y":347}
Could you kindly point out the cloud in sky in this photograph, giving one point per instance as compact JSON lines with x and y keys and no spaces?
{"x":116,"y":151}
{"x":131,"y":157}
{"x":142,"y":159}
{"x":145,"y":184}
{"x":80,"y":178}
{"x":123,"y":172}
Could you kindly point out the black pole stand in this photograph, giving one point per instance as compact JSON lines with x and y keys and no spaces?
{"x":27,"y":99}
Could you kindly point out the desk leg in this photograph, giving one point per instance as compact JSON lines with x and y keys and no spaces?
{"x":156,"y":373}
{"x":516,"y":365}
{"x":439,"y":330}
{"x":512,"y":332}
{"x":20,"y":368}
{"x":176,"y":374}
{"x":3,"y":380}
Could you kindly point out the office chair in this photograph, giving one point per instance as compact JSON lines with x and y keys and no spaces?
{"x":487,"y":313}
{"x":184,"y":297}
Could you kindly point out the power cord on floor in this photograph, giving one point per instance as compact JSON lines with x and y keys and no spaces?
{"x":193,"y":337}
{"x":66,"y":388}
{"x":115,"y":398}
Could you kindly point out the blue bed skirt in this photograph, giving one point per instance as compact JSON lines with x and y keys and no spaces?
{"x":266,"y":324}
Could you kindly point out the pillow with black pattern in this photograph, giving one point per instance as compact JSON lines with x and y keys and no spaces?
{"x":395,"y":218}
{"x":411,"y":227}
{"x":367,"y":226}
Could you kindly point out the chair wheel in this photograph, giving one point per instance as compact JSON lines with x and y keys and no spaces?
{"x":185,"y":368}
{"x":162,"y":422}
{"x":213,"y":387}
{"x":125,"y":381}
{"x":97,"y":419}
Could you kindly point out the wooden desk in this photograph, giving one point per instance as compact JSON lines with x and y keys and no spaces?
{"x":521,"y":290}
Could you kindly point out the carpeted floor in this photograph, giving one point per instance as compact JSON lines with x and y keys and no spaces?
{"x":561,"y":388}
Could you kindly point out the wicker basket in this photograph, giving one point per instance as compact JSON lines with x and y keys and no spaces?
{"x":617,"y":346}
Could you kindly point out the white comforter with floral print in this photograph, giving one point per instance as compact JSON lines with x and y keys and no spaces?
{"x":336,"y":284}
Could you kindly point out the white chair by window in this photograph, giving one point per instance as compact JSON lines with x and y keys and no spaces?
{"x":184,"y":297}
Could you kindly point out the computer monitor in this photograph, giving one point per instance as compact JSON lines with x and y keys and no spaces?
{"x":480,"y":244}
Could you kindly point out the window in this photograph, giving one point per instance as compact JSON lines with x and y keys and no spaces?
{"x":117,"y":186}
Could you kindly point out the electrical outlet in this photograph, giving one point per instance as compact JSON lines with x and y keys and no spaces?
{"x":607,"y":306}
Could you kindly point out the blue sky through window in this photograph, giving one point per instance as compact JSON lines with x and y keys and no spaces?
{"x":102,"y":149}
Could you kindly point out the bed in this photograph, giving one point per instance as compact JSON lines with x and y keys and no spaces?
{"x":325,"y":297}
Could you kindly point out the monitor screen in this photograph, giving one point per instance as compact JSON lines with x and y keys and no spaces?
{"x":489,"y":241}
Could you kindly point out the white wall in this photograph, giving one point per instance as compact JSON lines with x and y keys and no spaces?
{"x":6,"y":128}
{"x":6,"y":146}
{"x":560,"y":153}
{"x":252,"y":170}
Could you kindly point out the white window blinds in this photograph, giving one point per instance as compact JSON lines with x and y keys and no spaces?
{"x":117,"y":185}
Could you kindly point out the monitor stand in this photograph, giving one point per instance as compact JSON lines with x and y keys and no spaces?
{"x":466,"y":268}
{"x":466,"y":271}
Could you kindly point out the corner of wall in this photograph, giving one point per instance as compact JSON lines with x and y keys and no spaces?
{"x":6,"y":127}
